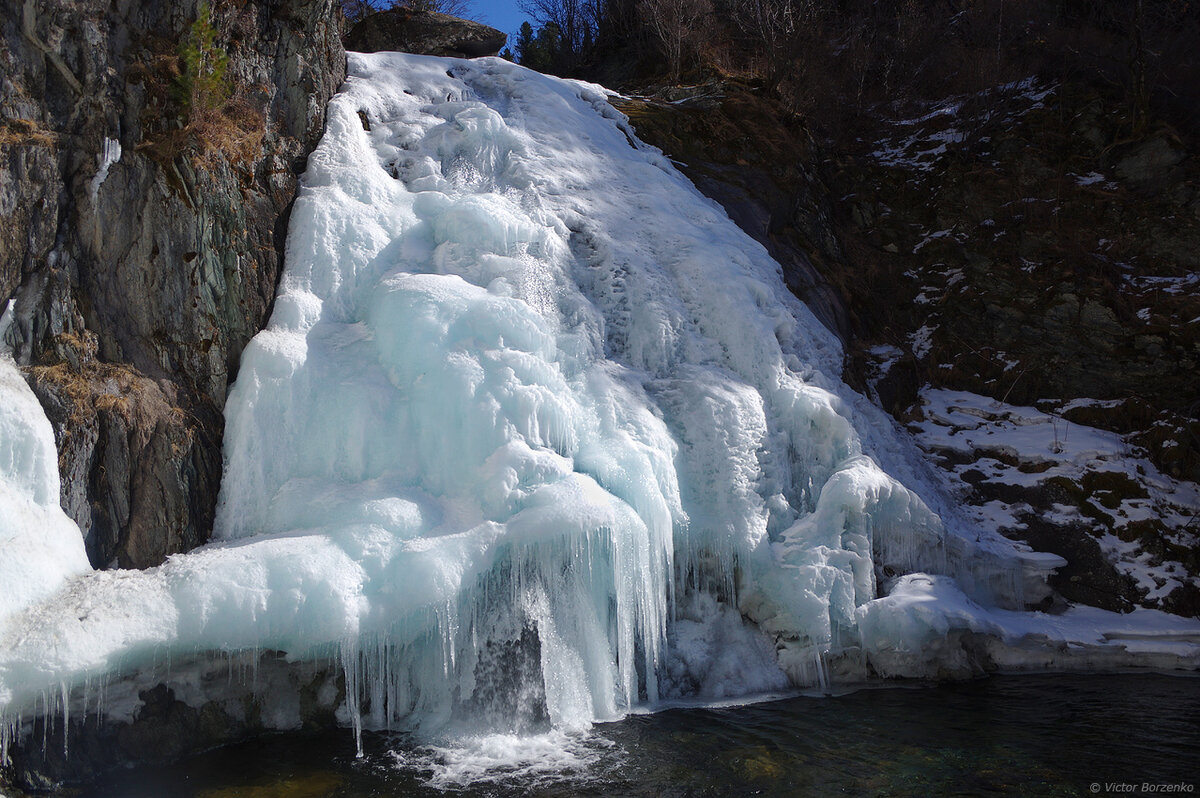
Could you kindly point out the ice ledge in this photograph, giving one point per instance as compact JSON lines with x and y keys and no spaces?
{"x":927,"y":628}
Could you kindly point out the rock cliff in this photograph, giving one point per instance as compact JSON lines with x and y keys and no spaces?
{"x":143,"y":235}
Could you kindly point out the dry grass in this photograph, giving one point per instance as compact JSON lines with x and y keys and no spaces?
{"x":234,"y":131}
{"x":89,"y":387}
{"x":25,"y":133}
{"x":231,"y":131}
{"x":89,"y":390}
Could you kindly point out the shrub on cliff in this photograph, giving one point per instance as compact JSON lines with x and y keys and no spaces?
{"x":202,"y":84}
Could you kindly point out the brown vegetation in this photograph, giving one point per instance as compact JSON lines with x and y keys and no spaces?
{"x":191,"y":119}
{"x":24,"y":133}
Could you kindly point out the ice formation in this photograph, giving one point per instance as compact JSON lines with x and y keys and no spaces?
{"x":41,"y":547}
{"x":535,"y":435}
{"x":105,"y":160}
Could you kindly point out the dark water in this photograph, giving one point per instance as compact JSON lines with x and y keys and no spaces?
{"x":1027,"y":735}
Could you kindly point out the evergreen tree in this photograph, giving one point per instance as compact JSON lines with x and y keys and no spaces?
{"x":201,"y":85}
{"x":540,"y":51}
{"x":525,"y":45}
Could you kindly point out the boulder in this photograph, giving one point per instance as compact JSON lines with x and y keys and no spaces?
{"x":424,"y":33}
{"x":1149,"y":162}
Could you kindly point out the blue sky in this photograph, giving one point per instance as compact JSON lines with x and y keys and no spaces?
{"x":502,"y":14}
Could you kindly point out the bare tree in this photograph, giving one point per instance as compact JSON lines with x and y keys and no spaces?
{"x":455,"y":8}
{"x":676,"y":25}
{"x":779,"y":26}
{"x":357,"y":9}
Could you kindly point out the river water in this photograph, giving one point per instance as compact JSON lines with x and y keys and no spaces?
{"x":1024,"y":735}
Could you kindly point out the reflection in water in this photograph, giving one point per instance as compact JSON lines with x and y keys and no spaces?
{"x":1032,"y":735}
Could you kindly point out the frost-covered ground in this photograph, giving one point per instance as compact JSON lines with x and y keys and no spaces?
{"x":536,"y":436}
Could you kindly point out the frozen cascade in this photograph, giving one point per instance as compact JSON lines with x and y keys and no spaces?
{"x":41,"y":546}
{"x":535,"y":436}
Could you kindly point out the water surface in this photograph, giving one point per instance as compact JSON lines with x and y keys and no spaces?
{"x":1022,"y":735}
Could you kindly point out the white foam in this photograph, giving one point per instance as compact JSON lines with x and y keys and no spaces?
{"x":527,"y":761}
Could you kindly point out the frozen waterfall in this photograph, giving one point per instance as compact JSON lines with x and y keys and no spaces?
{"x":536,"y":435}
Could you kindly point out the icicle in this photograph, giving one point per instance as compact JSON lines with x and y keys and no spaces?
{"x":66,"y":717}
{"x":350,"y":669}
{"x":7,"y":735}
{"x":109,"y":156}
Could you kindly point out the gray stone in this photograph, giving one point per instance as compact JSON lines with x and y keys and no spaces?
{"x":424,"y":33}
{"x":1149,"y":161}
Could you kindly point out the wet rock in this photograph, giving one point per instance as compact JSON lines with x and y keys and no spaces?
{"x":424,"y":33}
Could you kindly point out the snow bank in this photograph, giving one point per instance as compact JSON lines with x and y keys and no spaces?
{"x":1001,"y":446}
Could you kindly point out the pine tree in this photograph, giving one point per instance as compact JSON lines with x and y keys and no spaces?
{"x":202,"y":84}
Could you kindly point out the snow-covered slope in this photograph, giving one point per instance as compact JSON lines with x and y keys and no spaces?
{"x":535,"y":435}
{"x":1002,"y":457}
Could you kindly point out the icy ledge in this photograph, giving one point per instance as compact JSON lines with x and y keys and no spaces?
{"x":536,"y":436}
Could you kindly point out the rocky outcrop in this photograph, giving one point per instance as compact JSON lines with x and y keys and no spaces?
{"x":142,"y":236}
{"x":424,"y":33}
{"x":1023,"y":249}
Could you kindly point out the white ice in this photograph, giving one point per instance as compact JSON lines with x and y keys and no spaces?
{"x":536,"y":435}
{"x":41,"y":546}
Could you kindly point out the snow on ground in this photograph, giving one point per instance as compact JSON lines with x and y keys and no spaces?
{"x":919,"y":142}
{"x":1167,"y":285}
{"x":994,"y":445}
{"x":1090,"y":179}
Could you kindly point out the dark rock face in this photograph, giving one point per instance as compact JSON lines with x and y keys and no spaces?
{"x":424,"y":33}
{"x":132,"y":466}
{"x":741,"y":151}
{"x":142,"y":238}
{"x":1044,"y":256}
